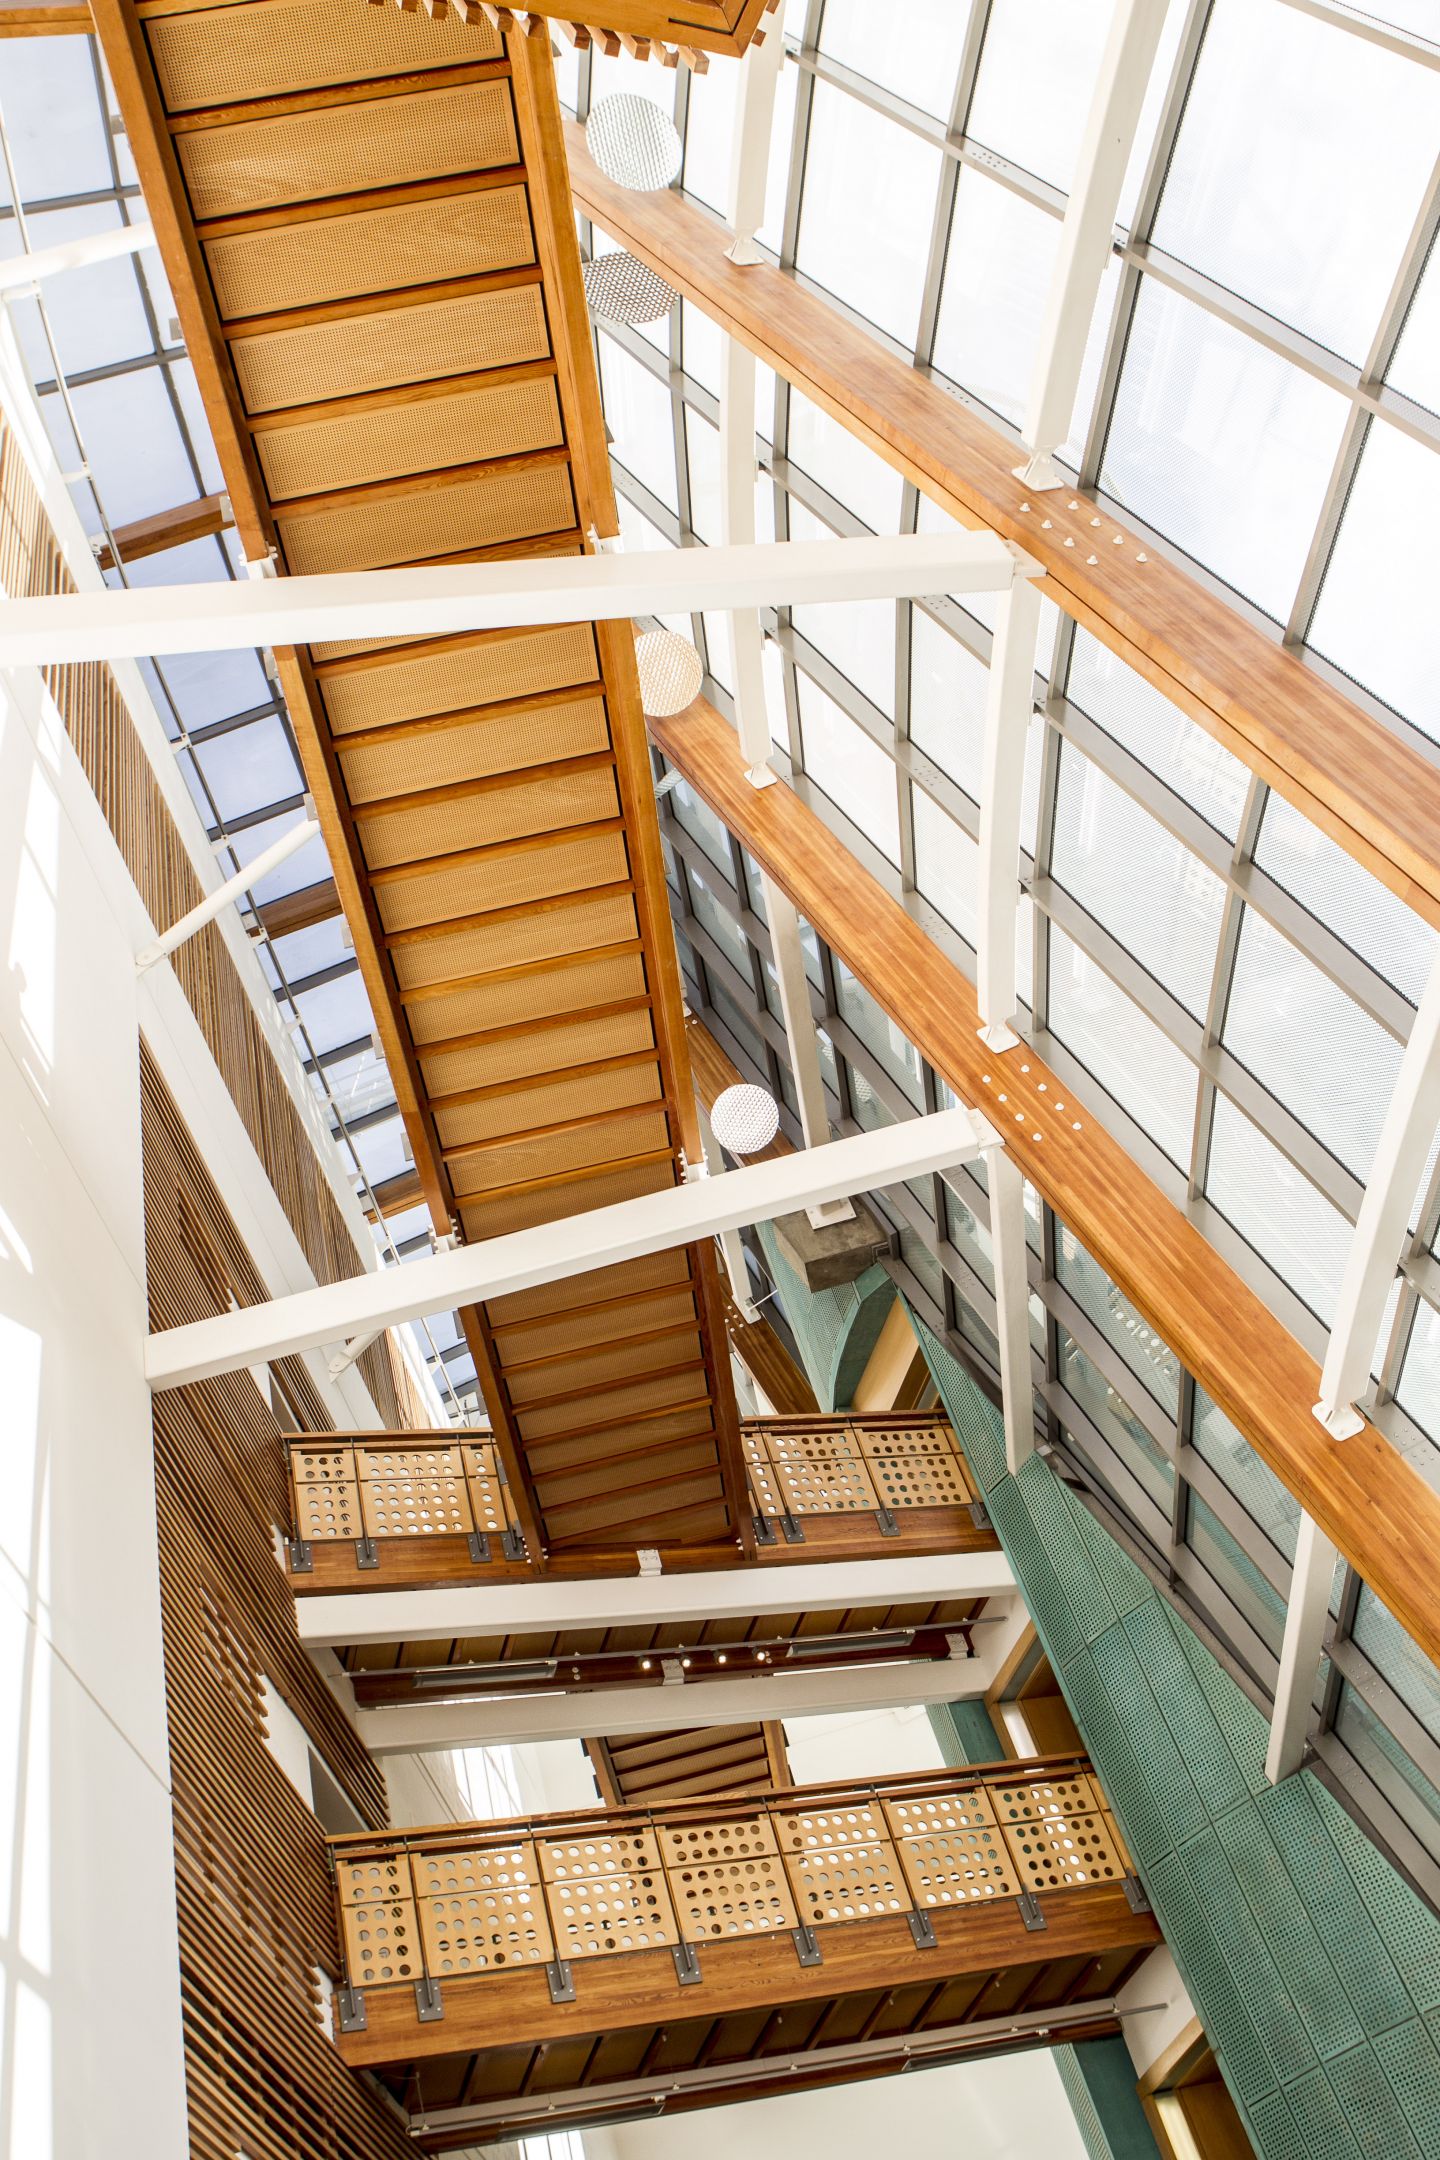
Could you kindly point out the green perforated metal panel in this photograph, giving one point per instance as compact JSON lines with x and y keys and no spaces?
{"x":1315,"y":1969}
{"x":965,"y":1732}
{"x":1099,"y":2081}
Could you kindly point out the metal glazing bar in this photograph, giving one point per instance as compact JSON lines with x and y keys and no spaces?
{"x":21,"y":274}
{"x":1012,"y":1302}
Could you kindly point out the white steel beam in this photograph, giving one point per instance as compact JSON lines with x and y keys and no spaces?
{"x":452,"y":1611}
{"x":1006,"y":1189}
{"x":1300,"y":1650}
{"x":1383,"y":1221}
{"x":1087,"y":232}
{"x":784,"y":922}
{"x":511,"y":1718}
{"x":438,"y":599}
{"x":235,"y":888}
{"x":20,"y":275}
{"x":599,"y":1237}
{"x":1009,"y":703}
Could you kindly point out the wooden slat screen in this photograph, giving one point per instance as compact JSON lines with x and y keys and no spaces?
{"x":252,"y":1883}
{"x":109,"y":748}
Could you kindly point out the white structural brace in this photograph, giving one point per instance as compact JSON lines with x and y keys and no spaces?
{"x":451,"y":1612}
{"x":21,"y":274}
{"x":750,"y":146}
{"x":511,"y":1717}
{"x":1383,"y":1221}
{"x":599,"y":1237}
{"x":1087,"y":232}
{"x":1300,"y":1650}
{"x":235,"y":888}
{"x":731,"y":1249}
{"x":1009,"y":703}
{"x":440,"y":599}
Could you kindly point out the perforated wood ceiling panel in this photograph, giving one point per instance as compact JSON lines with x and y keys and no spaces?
{"x":366,"y":221}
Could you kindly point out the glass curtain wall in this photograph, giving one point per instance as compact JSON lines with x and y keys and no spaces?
{"x":1231,"y":992}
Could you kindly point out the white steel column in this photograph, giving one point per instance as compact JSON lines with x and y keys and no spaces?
{"x":1304,"y":1640}
{"x":1009,"y":703}
{"x":1086,"y":235}
{"x":549,"y":1252}
{"x":435,"y":599}
{"x":1006,"y":1192}
{"x":749,"y":160}
{"x":1383,"y":1220}
{"x":731,"y":1249}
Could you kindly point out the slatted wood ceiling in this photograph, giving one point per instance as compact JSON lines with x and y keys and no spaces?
{"x":693,"y":1763}
{"x":365,"y":216}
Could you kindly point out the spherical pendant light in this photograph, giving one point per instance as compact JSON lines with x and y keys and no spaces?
{"x":670,"y":673}
{"x":745,"y":1119}
{"x":619,"y":289}
{"x":633,"y":142}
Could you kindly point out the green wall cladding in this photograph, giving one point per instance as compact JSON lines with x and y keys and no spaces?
{"x":1313,"y":1966}
{"x":965,"y":1732}
{"x":1099,"y":2081}
{"x":834,"y":1330}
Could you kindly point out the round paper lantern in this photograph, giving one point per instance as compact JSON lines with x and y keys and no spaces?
{"x":745,"y":1119}
{"x":633,"y":142}
{"x":670,"y":673}
{"x":620,"y":289}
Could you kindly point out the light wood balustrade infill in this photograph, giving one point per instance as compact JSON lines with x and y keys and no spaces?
{"x":398,"y":1509}
{"x":945,"y":1898}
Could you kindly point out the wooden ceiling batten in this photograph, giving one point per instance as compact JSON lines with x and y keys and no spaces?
{"x":376,"y":272}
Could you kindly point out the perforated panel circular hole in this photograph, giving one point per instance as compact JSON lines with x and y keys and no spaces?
{"x":633,"y":142}
{"x":670,"y":673}
{"x":745,"y":1119}
{"x":621,"y":289}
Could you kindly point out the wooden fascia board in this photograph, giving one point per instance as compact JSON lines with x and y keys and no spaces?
{"x":1373,"y":1506}
{"x":1357,"y":779}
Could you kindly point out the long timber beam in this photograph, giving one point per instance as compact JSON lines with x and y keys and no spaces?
{"x":1351,"y":775}
{"x":1361,"y":1492}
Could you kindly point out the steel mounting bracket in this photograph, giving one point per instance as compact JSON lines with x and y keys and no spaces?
{"x":350,"y":2004}
{"x":687,"y":1965}
{"x":1030,"y":1911}
{"x":807,"y":1947}
{"x":302,"y":1556}
{"x":561,"y":1980}
{"x":367,"y":1554}
{"x":922,"y":1927}
{"x":428,"y":2007}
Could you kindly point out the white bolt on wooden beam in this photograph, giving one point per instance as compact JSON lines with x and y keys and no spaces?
{"x":441,"y":599}
{"x":1381,"y":1225}
{"x":1300,"y":1650}
{"x":524,"y":1259}
{"x":1009,"y":703}
{"x":1087,"y":232}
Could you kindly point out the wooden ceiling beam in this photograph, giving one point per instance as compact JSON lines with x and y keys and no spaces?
{"x":177,"y":527}
{"x":1345,"y":770}
{"x":19,"y":22}
{"x":1367,"y":1498}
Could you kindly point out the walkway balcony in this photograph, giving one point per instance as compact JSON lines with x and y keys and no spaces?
{"x":390,"y":1510}
{"x":504,"y":1977}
